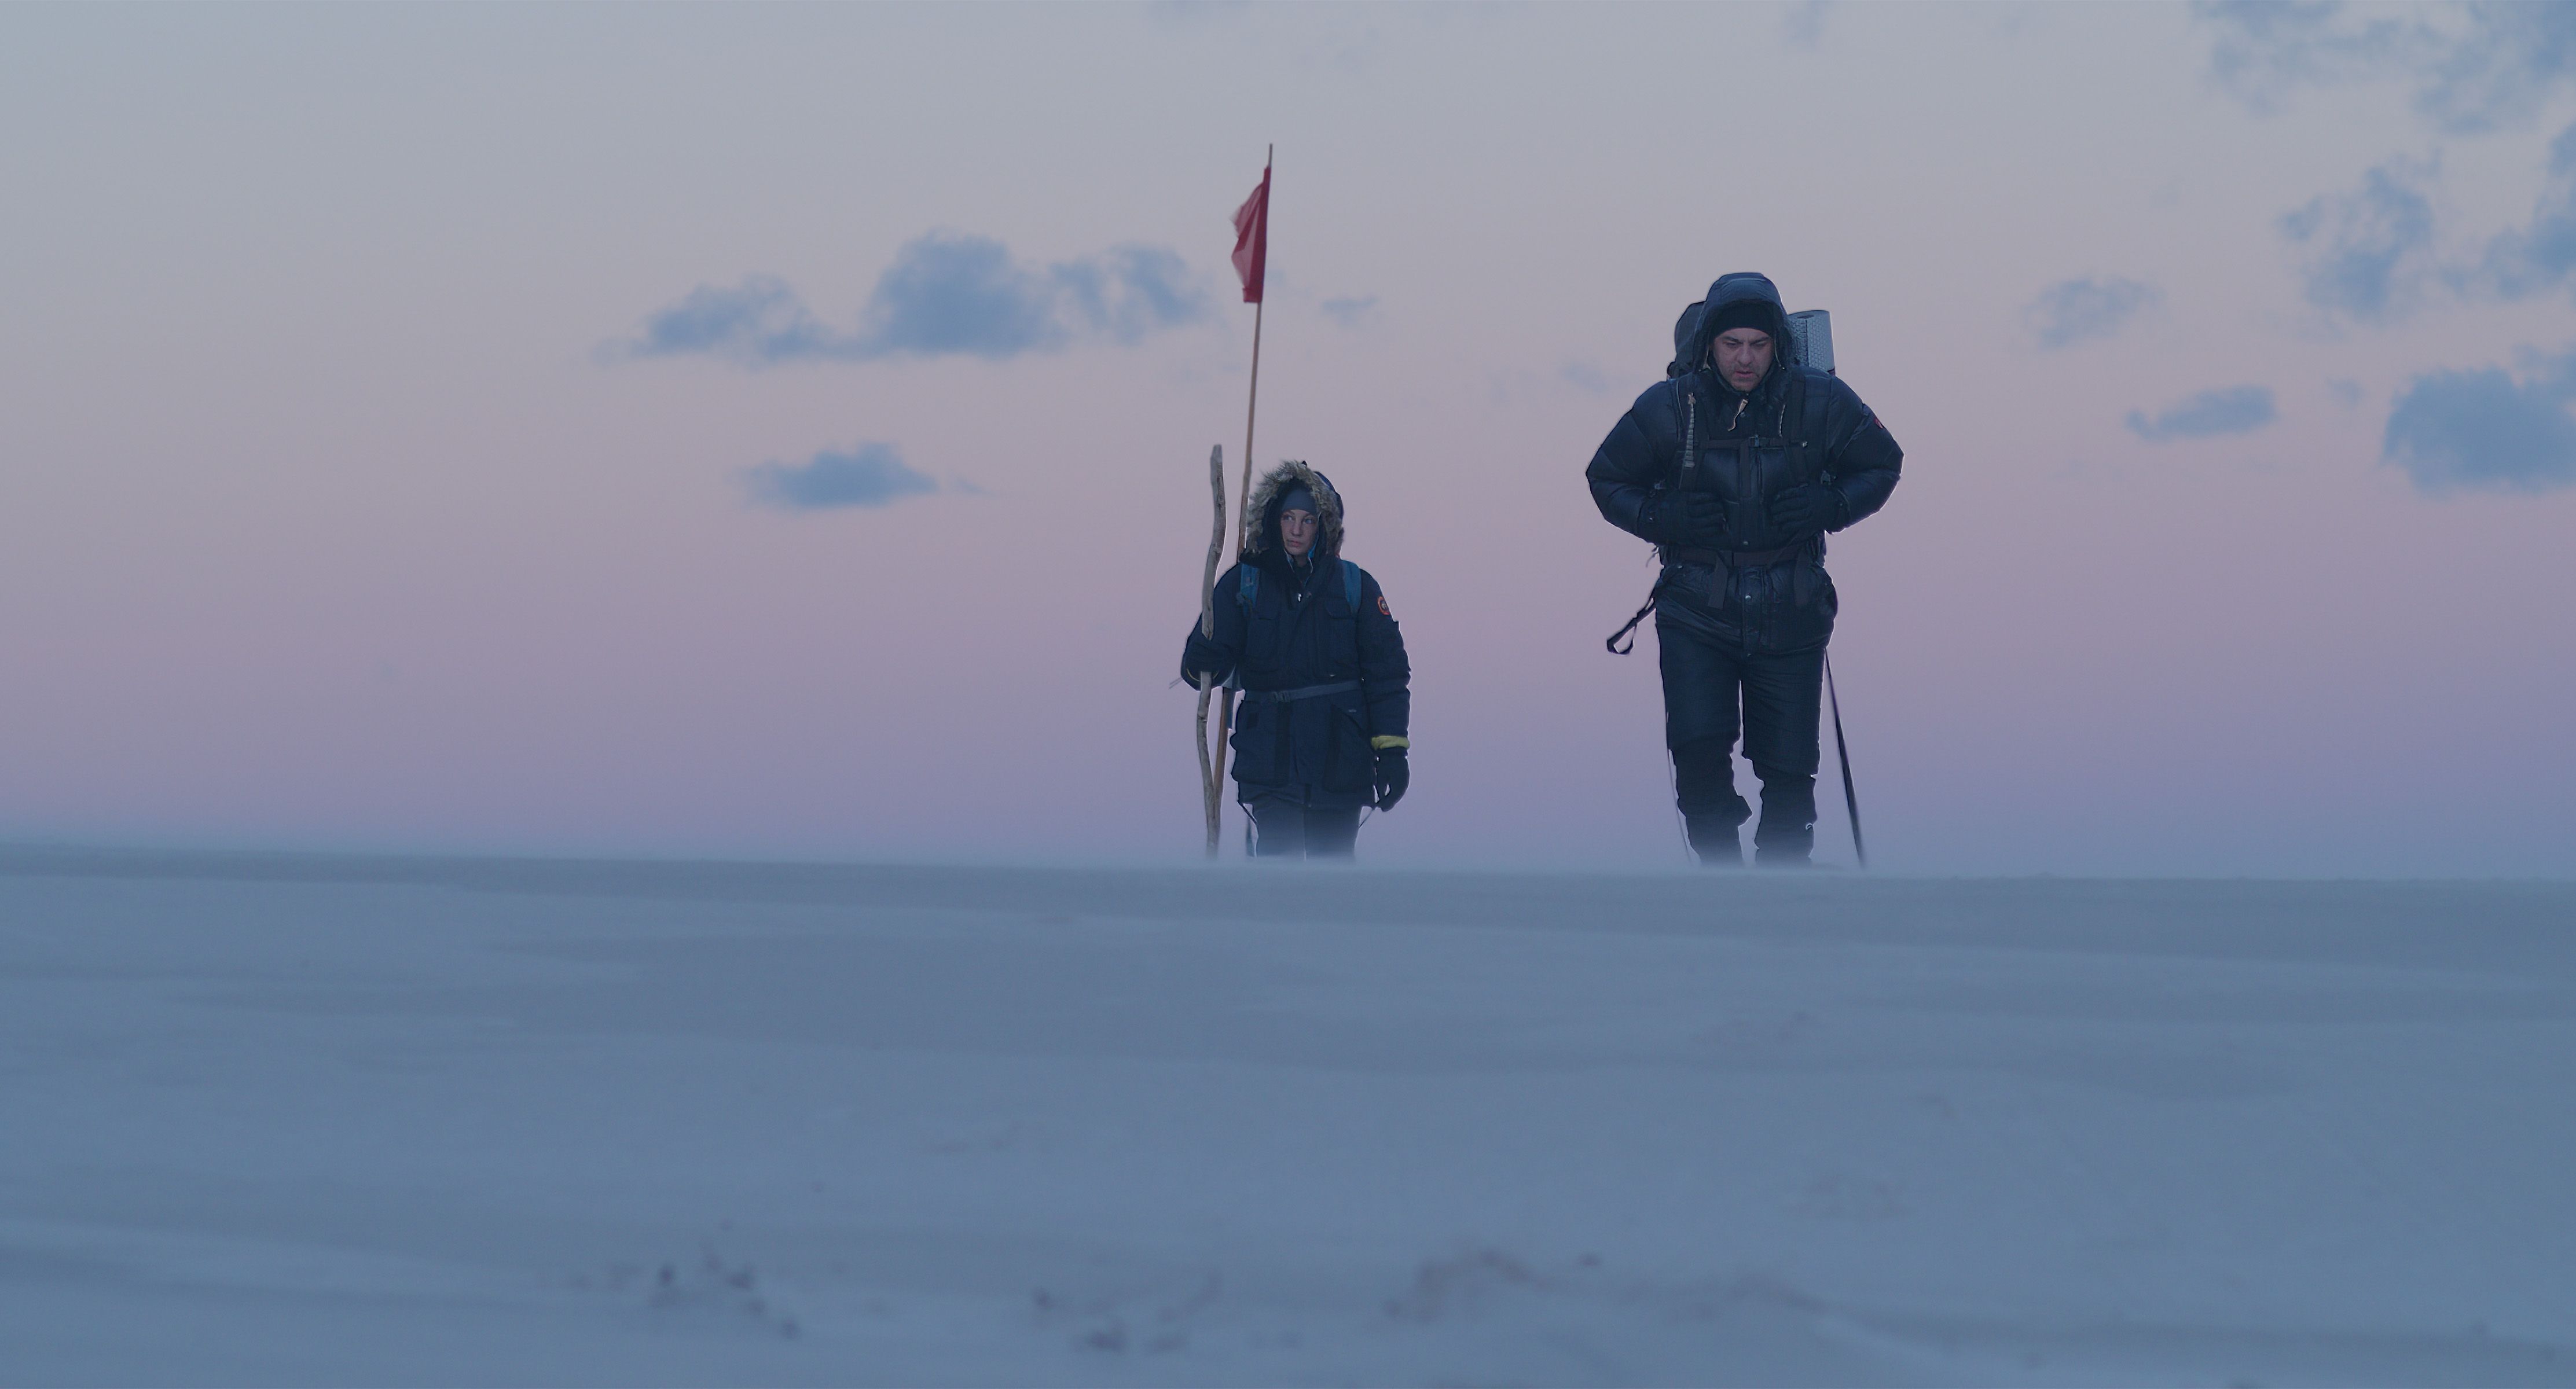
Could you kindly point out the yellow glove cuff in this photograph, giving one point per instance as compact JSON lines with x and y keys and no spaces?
{"x":1385,"y":742}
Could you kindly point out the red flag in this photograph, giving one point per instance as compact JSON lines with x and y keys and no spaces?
{"x":1252,"y":238}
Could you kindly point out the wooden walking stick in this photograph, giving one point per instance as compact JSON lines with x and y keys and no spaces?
{"x":1211,"y":765}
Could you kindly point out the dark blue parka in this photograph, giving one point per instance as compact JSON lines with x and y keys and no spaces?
{"x":1759,"y":589}
{"x":1303,"y":628}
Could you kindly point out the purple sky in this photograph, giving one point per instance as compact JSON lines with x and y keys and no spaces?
{"x":783,"y":431}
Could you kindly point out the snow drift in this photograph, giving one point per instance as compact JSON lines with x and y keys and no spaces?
{"x":334,"y":1120}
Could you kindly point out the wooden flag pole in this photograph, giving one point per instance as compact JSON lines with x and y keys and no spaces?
{"x":1211,"y":768}
{"x":1225,"y":700}
{"x":1251,"y":407}
{"x":1252,"y":403}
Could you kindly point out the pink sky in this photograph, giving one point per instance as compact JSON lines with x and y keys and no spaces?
{"x":339,"y":508}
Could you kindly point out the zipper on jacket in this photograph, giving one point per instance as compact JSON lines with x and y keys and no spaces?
{"x":1747,"y":473}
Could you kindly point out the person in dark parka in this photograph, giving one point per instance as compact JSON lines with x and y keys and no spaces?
{"x":1735,"y":466}
{"x":1326,"y":698}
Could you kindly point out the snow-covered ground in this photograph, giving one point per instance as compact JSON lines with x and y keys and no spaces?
{"x":352,"y":1121}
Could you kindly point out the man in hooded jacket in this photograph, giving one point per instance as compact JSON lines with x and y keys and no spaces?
{"x":1326,"y":697}
{"x":1736,"y":466}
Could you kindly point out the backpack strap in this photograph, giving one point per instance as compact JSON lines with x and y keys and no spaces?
{"x":1690,"y":436}
{"x":1615,"y":648}
{"x":1247,"y":587}
{"x":1810,"y":570}
{"x":1793,"y":409}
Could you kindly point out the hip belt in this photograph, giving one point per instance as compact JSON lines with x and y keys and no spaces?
{"x":1301,"y":692}
{"x":1732,"y":559}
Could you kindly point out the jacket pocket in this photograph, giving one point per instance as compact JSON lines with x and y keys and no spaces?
{"x":1795,"y":626}
{"x":1718,"y":473}
{"x":1347,"y":759}
{"x":1341,"y":640}
{"x":1774,"y":468}
{"x":1255,"y":744}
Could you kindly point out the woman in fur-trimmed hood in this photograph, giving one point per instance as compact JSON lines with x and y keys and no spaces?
{"x":1261,"y":542}
{"x":1309,"y":638}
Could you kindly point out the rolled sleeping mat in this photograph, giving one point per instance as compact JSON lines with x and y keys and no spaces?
{"x":1811,"y":339}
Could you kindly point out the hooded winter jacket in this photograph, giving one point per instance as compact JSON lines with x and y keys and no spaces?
{"x":1759,"y":588}
{"x":1301,"y":630}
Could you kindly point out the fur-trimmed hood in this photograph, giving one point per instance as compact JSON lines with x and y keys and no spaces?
{"x":1261,"y":544}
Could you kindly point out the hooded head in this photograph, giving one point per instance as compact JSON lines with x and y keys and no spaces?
{"x":1739,"y":300}
{"x":1261,"y":543}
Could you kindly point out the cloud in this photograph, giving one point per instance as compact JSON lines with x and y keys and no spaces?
{"x":2232,"y":410}
{"x":1190,"y":14}
{"x":2369,"y":253}
{"x":946,"y":294}
{"x":2473,"y":67}
{"x":759,"y":320}
{"x":1350,"y":311}
{"x":2481,"y":431}
{"x":961,"y":294}
{"x":2507,"y":61}
{"x":868,"y":474}
{"x":2536,"y":259}
{"x":2261,"y":50}
{"x":1804,"y":24}
{"x":1584,"y":376}
{"x":2367,"y":249}
{"x":1128,"y":293}
{"x":2074,"y":311}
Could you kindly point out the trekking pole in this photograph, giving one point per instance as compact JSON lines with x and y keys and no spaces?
{"x":1851,"y":799}
{"x":1211,"y":765}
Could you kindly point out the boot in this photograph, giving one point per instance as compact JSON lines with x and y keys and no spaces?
{"x":1712,"y":837}
{"x":1787,"y":833}
{"x":1704,"y":792}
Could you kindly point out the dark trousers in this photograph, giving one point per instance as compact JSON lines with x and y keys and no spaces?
{"x":1285,"y":828}
{"x":1705,"y":685}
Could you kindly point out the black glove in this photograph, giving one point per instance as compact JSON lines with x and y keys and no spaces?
{"x":1703,"y":520}
{"x":1686,"y":518}
{"x":1659,"y":520}
{"x":1392,"y":777}
{"x":1202,"y":656}
{"x":1806,"y":509}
